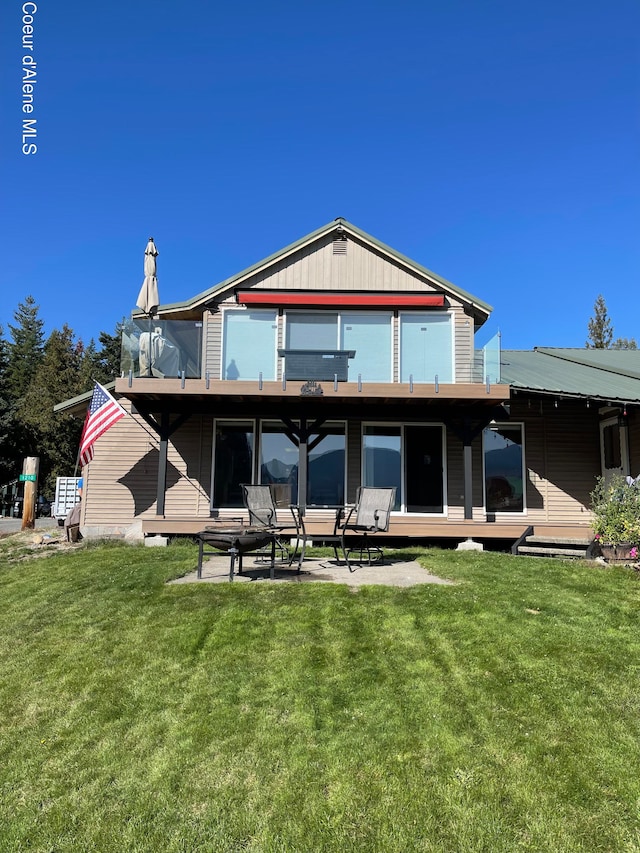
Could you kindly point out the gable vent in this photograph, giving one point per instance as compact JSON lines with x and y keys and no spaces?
{"x":340,"y":246}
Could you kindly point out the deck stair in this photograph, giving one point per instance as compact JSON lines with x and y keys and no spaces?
{"x":554,"y":544}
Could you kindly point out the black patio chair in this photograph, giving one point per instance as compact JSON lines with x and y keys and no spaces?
{"x":370,"y":514}
{"x":263,"y":512}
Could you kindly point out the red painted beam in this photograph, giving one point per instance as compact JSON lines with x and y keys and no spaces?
{"x":332,"y":299}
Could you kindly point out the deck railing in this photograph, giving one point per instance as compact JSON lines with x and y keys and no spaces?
{"x":161,"y":348}
{"x":173,"y":349}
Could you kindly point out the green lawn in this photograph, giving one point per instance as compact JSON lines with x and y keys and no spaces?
{"x":499,"y":714}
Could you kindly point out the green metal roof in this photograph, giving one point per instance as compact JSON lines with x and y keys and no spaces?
{"x":482,"y":308}
{"x":79,"y":405}
{"x":605,"y":375}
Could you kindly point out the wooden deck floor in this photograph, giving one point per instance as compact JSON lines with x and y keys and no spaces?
{"x":402,"y":527}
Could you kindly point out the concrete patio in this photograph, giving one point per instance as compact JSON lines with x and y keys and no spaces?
{"x":400,"y":573}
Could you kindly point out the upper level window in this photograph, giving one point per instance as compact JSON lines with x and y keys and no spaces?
{"x":426,"y":347}
{"x":249,"y":345}
{"x":368,"y":334}
{"x":308,"y":330}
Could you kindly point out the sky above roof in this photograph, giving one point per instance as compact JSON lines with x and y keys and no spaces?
{"x":495,"y":143}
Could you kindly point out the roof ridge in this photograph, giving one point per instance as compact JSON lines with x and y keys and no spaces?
{"x":552,"y":352}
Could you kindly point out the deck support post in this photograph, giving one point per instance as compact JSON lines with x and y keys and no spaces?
{"x":164,"y":428}
{"x":467,"y":431}
{"x":299,"y":435}
{"x":467,"y":458}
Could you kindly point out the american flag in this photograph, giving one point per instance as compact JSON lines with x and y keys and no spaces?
{"x":103,"y":413}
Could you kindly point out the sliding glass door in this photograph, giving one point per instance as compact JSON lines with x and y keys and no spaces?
{"x":409,"y":457}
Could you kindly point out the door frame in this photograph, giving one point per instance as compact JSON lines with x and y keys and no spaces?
{"x":606,"y":423}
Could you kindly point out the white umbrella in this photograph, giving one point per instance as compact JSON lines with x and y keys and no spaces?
{"x":148,"y":300}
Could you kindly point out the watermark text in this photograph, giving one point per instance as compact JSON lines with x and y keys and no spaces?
{"x":29,"y":80}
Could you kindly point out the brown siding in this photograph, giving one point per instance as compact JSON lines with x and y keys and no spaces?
{"x":213,"y":347}
{"x":126,"y":463}
{"x":189,"y":469}
{"x":562,"y":447}
{"x":315,"y":267}
{"x":463,"y":345}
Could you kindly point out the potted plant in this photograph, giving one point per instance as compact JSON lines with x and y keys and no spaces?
{"x":615,"y":503}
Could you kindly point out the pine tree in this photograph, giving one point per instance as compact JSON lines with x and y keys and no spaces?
{"x":6,"y":443}
{"x":50,"y":436}
{"x":110,"y":353}
{"x":600,"y":328}
{"x":624,"y":343}
{"x":26,"y":351}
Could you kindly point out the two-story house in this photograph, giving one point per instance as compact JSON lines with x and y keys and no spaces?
{"x":338,"y":362}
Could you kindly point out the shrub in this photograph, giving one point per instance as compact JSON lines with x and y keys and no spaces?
{"x":615,"y":503}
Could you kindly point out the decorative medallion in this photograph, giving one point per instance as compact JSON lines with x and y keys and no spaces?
{"x":311,"y":389}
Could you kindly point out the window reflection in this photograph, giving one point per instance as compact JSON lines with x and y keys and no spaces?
{"x":503,"y":468}
{"x":232,"y":462}
{"x":382,"y":458}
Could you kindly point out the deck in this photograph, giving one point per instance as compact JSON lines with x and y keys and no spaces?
{"x":422,"y":530}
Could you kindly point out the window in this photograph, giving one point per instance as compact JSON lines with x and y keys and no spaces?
{"x":312,"y":331}
{"x":279,"y":459}
{"x":368,"y":334}
{"x":249,"y":345}
{"x":233,"y":462}
{"x":326,"y":472}
{"x":426,"y":349}
{"x":503,"y":468}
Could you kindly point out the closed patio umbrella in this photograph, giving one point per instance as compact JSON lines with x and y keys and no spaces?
{"x":148,"y":301}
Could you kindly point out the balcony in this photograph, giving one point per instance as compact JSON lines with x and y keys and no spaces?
{"x":172,"y":349}
{"x":161,"y":348}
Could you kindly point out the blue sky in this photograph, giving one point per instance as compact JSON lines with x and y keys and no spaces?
{"x":496,"y":143}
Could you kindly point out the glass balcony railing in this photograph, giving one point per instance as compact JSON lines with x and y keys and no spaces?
{"x":161,"y":348}
{"x":173,"y":348}
{"x":486,"y":363}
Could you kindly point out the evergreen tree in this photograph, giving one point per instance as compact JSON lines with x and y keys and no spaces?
{"x":90,"y":369}
{"x":110,"y":354}
{"x":600,"y":328}
{"x":6,"y":442}
{"x":50,"y":436}
{"x":624,"y":343}
{"x":26,"y":351}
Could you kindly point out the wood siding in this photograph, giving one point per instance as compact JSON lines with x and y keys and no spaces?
{"x":562,"y":452}
{"x":315,"y":267}
{"x":126,"y":464}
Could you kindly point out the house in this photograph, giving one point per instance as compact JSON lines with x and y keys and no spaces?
{"x":338,"y":362}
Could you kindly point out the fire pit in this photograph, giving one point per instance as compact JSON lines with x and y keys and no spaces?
{"x":235,"y":541}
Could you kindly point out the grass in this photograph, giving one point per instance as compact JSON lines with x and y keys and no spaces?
{"x":499,"y":714}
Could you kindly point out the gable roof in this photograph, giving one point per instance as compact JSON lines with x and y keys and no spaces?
{"x":480,"y":308}
{"x":604,"y":375}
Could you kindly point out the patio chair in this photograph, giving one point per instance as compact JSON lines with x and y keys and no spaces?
{"x":263,"y":512}
{"x":370,"y":514}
